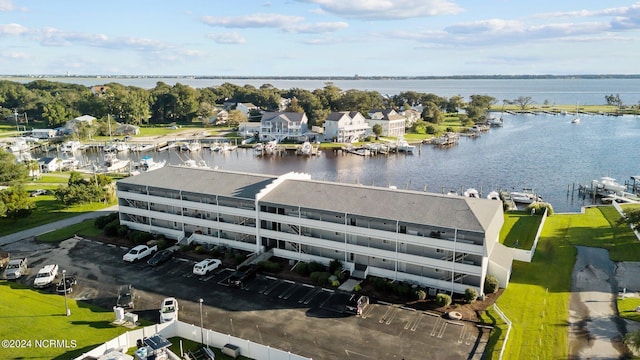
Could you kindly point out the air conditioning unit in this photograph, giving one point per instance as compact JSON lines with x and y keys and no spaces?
{"x":131,"y":317}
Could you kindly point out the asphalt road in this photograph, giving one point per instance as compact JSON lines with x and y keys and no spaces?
{"x":303,"y":319}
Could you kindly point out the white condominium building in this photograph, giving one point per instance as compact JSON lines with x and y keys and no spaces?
{"x":445,"y":243}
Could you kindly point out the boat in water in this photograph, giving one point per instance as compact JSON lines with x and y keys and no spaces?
{"x":306,"y":148}
{"x":576,"y":119}
{"x":493,"y":195}
{"x":191,"y":146}
{"x":526,"y":196}
{"x":71,"y":146}
{"x":147,"y":163}
{"x":112,"y":163}
{"x":472,"y":193}
{"x":609,"y":184}
{"x":199,"y":164}
{"x":404,"y":146}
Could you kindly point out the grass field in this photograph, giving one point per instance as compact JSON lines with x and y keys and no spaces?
{"x":35,"y":318}
{"x":519,"y":229}
{"x":537,"y":298}
{"x":85,"y":229}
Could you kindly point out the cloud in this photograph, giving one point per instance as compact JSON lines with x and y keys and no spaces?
{"x":8,"y":5}
{"x":252,"y":21}
{"x":632,"y":10}
{"x":14,"y":55}
{"x":227,"y":38}
{"x":387,"y":9}
{"x":286,"y":23}
{"x":12,"y":29}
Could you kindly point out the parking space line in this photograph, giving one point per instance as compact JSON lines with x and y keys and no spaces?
{"x":413,"y":323}
{"x":462,"y":333}
{"x":386,"y":314}
{"x":368,"y":309}
{"x":273,"y":287}
{"x":392,"y":316}
{"x":288,"y":291}
{"x":309,"y":295}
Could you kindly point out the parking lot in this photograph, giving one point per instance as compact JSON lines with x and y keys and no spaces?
{"x":301,"y":318}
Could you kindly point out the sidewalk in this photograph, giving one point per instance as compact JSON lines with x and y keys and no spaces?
{"x":43,"y":229}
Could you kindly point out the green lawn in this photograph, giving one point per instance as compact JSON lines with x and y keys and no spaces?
{"x":537,"y":298}
{"x":519,"y":229}
{"x":85,"y":229}
{"x":33,"y":316}
{"x":627,"y":308}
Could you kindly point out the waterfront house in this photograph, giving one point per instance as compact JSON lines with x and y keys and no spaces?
{"x":127,"y":129}
{"x":43,"y":134}
{"x":246,"y":108}
{"x":392,"y":123}
{"x":71,"y":124}
{"x":411,"y":116}
{"x":282,"y":125}
{"x":444,"y":243}
{"x":49,"y":164}
{"x":345,"y":127}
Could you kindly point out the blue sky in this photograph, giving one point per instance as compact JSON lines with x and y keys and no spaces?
{"x":319,"y":37}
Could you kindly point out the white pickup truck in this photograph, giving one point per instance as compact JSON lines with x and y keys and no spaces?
{"x":139,"y":252}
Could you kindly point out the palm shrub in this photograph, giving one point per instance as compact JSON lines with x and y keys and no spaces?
{"x":470,"y":295}
{"x":443,"y":300}
{"x":491,"y":284}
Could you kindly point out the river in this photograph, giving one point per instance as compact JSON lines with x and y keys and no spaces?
{"x":551,"y":91}
{"x":543,"y":152}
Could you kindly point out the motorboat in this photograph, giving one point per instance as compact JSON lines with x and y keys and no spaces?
{"x":71,"y":146}
{"x":610,"y":184}
{"x":258,"y":149}
{"x":190,"y":146}
{"x":306,"y":148}
{"x":199,"y":164}
{"x":69,"y":163}
{"x":270,"y":147}
{"x":495,"y":121}
{"x":471,"y":192}
{"x":526,"y":196}
{"x":404,"y":146}
{"x":493,"y":195}
{"x":148,"y":164}
{"x":112,"y":163}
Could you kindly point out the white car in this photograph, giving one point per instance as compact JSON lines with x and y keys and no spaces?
{"x":168,"y":310}
{"x":46,"y":276}
{"x":205,"y":266}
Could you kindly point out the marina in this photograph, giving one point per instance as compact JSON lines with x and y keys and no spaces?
{"x":542,"y":152}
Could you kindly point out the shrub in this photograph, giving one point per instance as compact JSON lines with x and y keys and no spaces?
{"x":539,"y":208}
{"x":319,"y":277}
{"x":491,"y":284}
{"x":335,"y":265}
{"x":111,"y":229}
{"x":139,"y":237}
{"x":239,"y":258}
{"x":269,"y":266}
{"x":315,"y":266}
{"x":200,"y":249}
{"x":123,"y":230}
{"x":470,"y":295}
{"x":303,"y":269}
{"x":340,"y":275}
{"x":335,"y":283}
{"x":380,"y":284}
{"x":102,"y":221}
{"x":357,"y":288}
{"x":401,"y":289}
{"x":443,"y":300}
{"x":421,"y":294}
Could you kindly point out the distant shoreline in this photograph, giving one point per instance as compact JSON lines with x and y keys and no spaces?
{"x":355,"y":77}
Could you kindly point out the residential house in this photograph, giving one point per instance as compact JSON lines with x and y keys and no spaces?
{"x":246,"y":108}
{"x":345,"y":127}
{"x":445,"y":243}
{"x":393,"y":124}
{"x":49,"y":164}
{"x":71,"y":124}
{"x":43,"y":133}
{"x":411,"y":116}
{"x":127,"y":129}
{"x":99,"y":90}
{"x":282,"y":125}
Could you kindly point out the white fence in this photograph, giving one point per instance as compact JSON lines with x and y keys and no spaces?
{"x":527,"y":255}
{"x":621,"y":212}
{"x":195,"y":333}
{"x":506,"y":320}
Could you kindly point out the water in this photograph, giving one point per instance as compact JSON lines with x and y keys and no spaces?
{"x":552,"y":91}
{"x":543,"y":152}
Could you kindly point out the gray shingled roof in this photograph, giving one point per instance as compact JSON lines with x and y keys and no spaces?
{"x":410,"y":206}
{"x":216,"y":182}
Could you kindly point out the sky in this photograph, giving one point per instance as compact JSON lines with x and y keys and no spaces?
{"x":319,"y":37}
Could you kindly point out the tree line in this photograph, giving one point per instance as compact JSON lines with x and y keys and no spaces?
{"x":54,"y":103}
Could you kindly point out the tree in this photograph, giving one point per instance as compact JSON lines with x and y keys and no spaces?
{"x":10,"y":171}
{"x":235,"y":118}
{"x":614,"y":100}
{"x":631,"y":217}
{"x":16,"y":203}
{"x":523,"y":102}
{"x":491,"y":284}
{"x":470,"y":295}
{"x":431,"y":113}
{"x":377,"y":129}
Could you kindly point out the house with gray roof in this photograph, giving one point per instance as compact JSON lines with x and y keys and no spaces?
{"x":445,"y":243}
{"x":282,"y":125}
{"x":345,"y":127}
{"x":392,"y":123}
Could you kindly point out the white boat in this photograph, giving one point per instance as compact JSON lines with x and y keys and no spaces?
{"x":270,"y":147}
{"x":112,"y":163}
{"x":452,"y":193}
{"x":200,"y":164}
{"x":493,"y":195}
{"x":610,"y":184}
{"x":471,"y":192}
{"x":258,"y":149}
{"x":526,"y":196}
{"x":306,"y":148}
{"x":71,"y":146}
{"x":495,"y":121}
{"x":19,"y":145}
{"x":190,"y":146}
{"x":148,"y":164}
{"x":404,"y":146}
{"x":69,"y":163}
{"x":576,"y":120}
